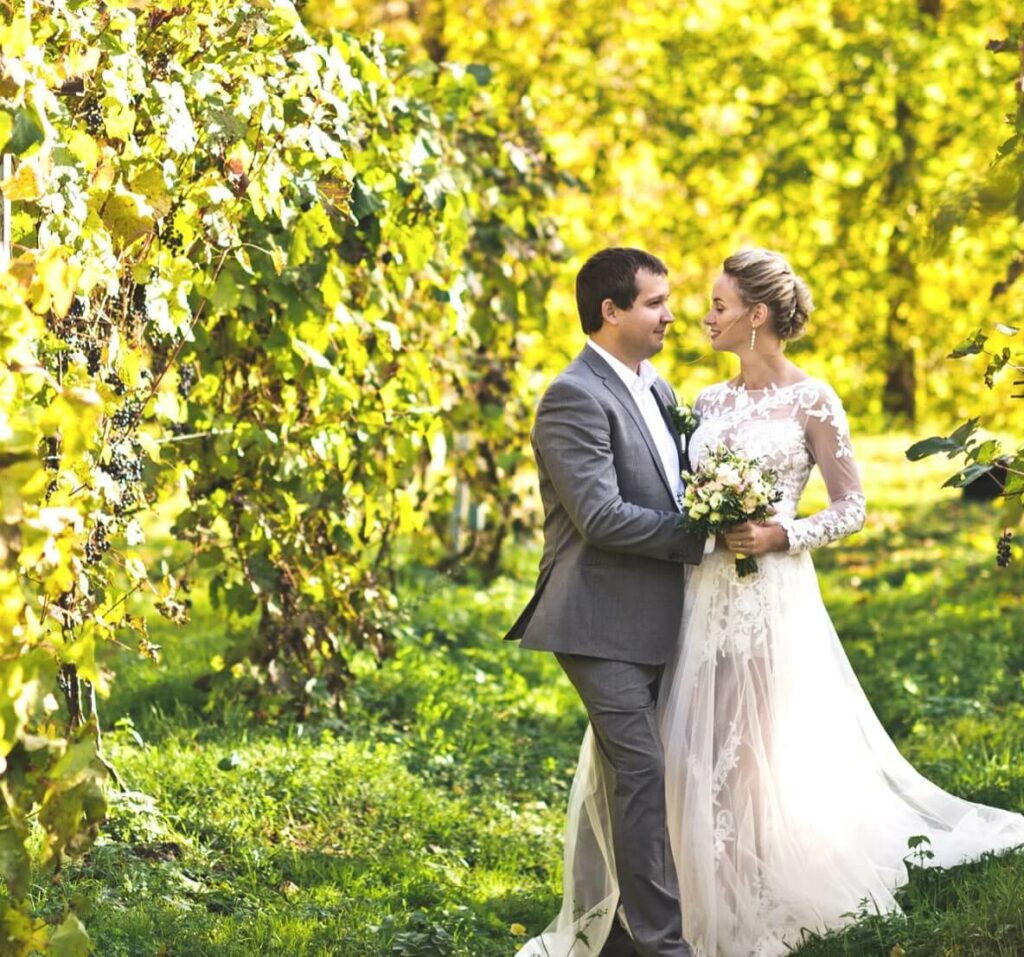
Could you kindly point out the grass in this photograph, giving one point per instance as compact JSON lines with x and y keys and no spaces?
{"x":426,"y":820}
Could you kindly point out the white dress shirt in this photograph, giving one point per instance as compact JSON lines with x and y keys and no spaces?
{"x":639,"y":386}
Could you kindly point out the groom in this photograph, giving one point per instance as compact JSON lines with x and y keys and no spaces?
{"x":609,"y":595}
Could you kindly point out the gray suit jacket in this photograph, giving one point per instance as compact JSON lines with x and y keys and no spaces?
{"x":611,"y":578}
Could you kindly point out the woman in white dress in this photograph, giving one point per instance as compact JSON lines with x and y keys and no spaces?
{"x":788,"y":804}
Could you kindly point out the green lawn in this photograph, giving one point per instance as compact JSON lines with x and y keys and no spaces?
{"x":427,"y":819}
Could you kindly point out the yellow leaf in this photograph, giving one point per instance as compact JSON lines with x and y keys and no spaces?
{"x":104,"y":177}
{"x":277,"y":257}
{"x":76,"y":414}
{"x":149,"y":444}
{"x":58,"y":279}
{"x":517,"y":930}
{"x":16,"y":38}
{"x":127,"y":215}
{"x":84,"y":149}
{"x":150,"y":183}
{"x":83,"y":62}
{"x":135,"y":569}
{"x":82,"y":653}
{"x":410,"y":519}
{"x":23,"y":185}
{"x":6,"y":125}
{"x":118,"y":119}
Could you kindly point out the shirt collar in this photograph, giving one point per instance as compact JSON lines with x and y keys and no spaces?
{"x":636,"y":383}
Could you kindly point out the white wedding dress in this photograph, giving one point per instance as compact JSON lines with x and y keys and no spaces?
{"x":788,"y":804}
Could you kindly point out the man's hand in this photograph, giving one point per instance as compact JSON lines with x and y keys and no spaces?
{"x":755,"y":538}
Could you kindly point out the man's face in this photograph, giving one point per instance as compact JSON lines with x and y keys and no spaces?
{"x":640,"y":330}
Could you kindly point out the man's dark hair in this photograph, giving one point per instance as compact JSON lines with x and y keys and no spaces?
{"x":611,"y":274}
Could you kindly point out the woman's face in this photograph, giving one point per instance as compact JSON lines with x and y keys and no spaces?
{"x":728,"y":320}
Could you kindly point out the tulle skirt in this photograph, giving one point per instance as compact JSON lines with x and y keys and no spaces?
{"x":789,"y":807}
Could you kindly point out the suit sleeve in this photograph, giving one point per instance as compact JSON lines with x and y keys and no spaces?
{"x":572,"y":440}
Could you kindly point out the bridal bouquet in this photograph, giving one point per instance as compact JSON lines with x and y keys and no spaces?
{"x":726,"y":490}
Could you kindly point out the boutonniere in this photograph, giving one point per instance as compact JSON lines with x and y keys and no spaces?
{"x":684,"y":418}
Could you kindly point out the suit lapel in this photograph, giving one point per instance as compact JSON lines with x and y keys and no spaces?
{"x":684,"y":459}
{"x":617,"y":387}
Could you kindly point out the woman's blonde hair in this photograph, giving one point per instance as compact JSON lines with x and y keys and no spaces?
{"x":765,"y":276}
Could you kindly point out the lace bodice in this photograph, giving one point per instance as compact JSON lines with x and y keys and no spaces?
{"x":790,"y":429}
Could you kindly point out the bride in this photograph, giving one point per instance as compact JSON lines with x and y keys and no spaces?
{"x":788,"y":804}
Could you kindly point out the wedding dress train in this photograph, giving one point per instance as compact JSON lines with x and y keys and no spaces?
{"x":788,"y":804}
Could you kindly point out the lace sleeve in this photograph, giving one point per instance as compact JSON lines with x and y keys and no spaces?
{"x":827,"y":435}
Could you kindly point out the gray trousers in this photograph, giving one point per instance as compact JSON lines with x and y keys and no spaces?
{"x":620,"y":699}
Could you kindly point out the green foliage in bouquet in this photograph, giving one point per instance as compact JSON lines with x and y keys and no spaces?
{"x":727,"y":489}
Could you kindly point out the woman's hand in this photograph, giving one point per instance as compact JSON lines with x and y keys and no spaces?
{"x":755,"y":538}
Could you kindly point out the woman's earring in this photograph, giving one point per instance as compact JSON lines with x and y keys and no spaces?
{"x":753,"y":337}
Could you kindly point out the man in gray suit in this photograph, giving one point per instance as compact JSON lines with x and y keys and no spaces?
{"x":609,"y":595}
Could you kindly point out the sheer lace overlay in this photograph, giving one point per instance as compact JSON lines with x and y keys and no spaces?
{"x":790,"y":429}
{"x":789,"y":806}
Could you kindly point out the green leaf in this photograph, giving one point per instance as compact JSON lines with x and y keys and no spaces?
{"x":480,"y":72}
{"x":364,"y":201}
{"x":956,"y":442}
{"x":968,"y":475}
{"x":1013,"y":507}
{"x":230,"y":762}
{"x":987,"y":451}
{"x":970,"y":346}
{"x":28,"y":130}
{"x":926,"y":447}
{"x":14,"y":859}
{"x":311,"y":355}
{"x":70,"y":939}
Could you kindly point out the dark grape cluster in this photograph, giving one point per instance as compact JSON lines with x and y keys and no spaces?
{"x":115,"y":307}
{"x":93,"y":118}
{"x":138,"y":305}
{"x":187,"y":378}
{"x":96,"y":545}
{"x":116,"y":383}
{"x":160,"y":63}
{"x":125,"y":417}
{"x":1003,"y":549}
{"x":168,"y":233}
{"x":128,"y":503}
{"x":172,"y":239}
{"x":93,"y":357}
{"x":123,"y":467}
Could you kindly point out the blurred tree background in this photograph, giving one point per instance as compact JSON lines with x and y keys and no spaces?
{"x":832,"y":131}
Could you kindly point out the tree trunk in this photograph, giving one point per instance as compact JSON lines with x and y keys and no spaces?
{"x":899,"y":397}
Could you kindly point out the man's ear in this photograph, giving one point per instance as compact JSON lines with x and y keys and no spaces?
{"x":608,"y":312}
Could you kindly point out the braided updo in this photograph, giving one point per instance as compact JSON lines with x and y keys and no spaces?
{"x":764,"y":276}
